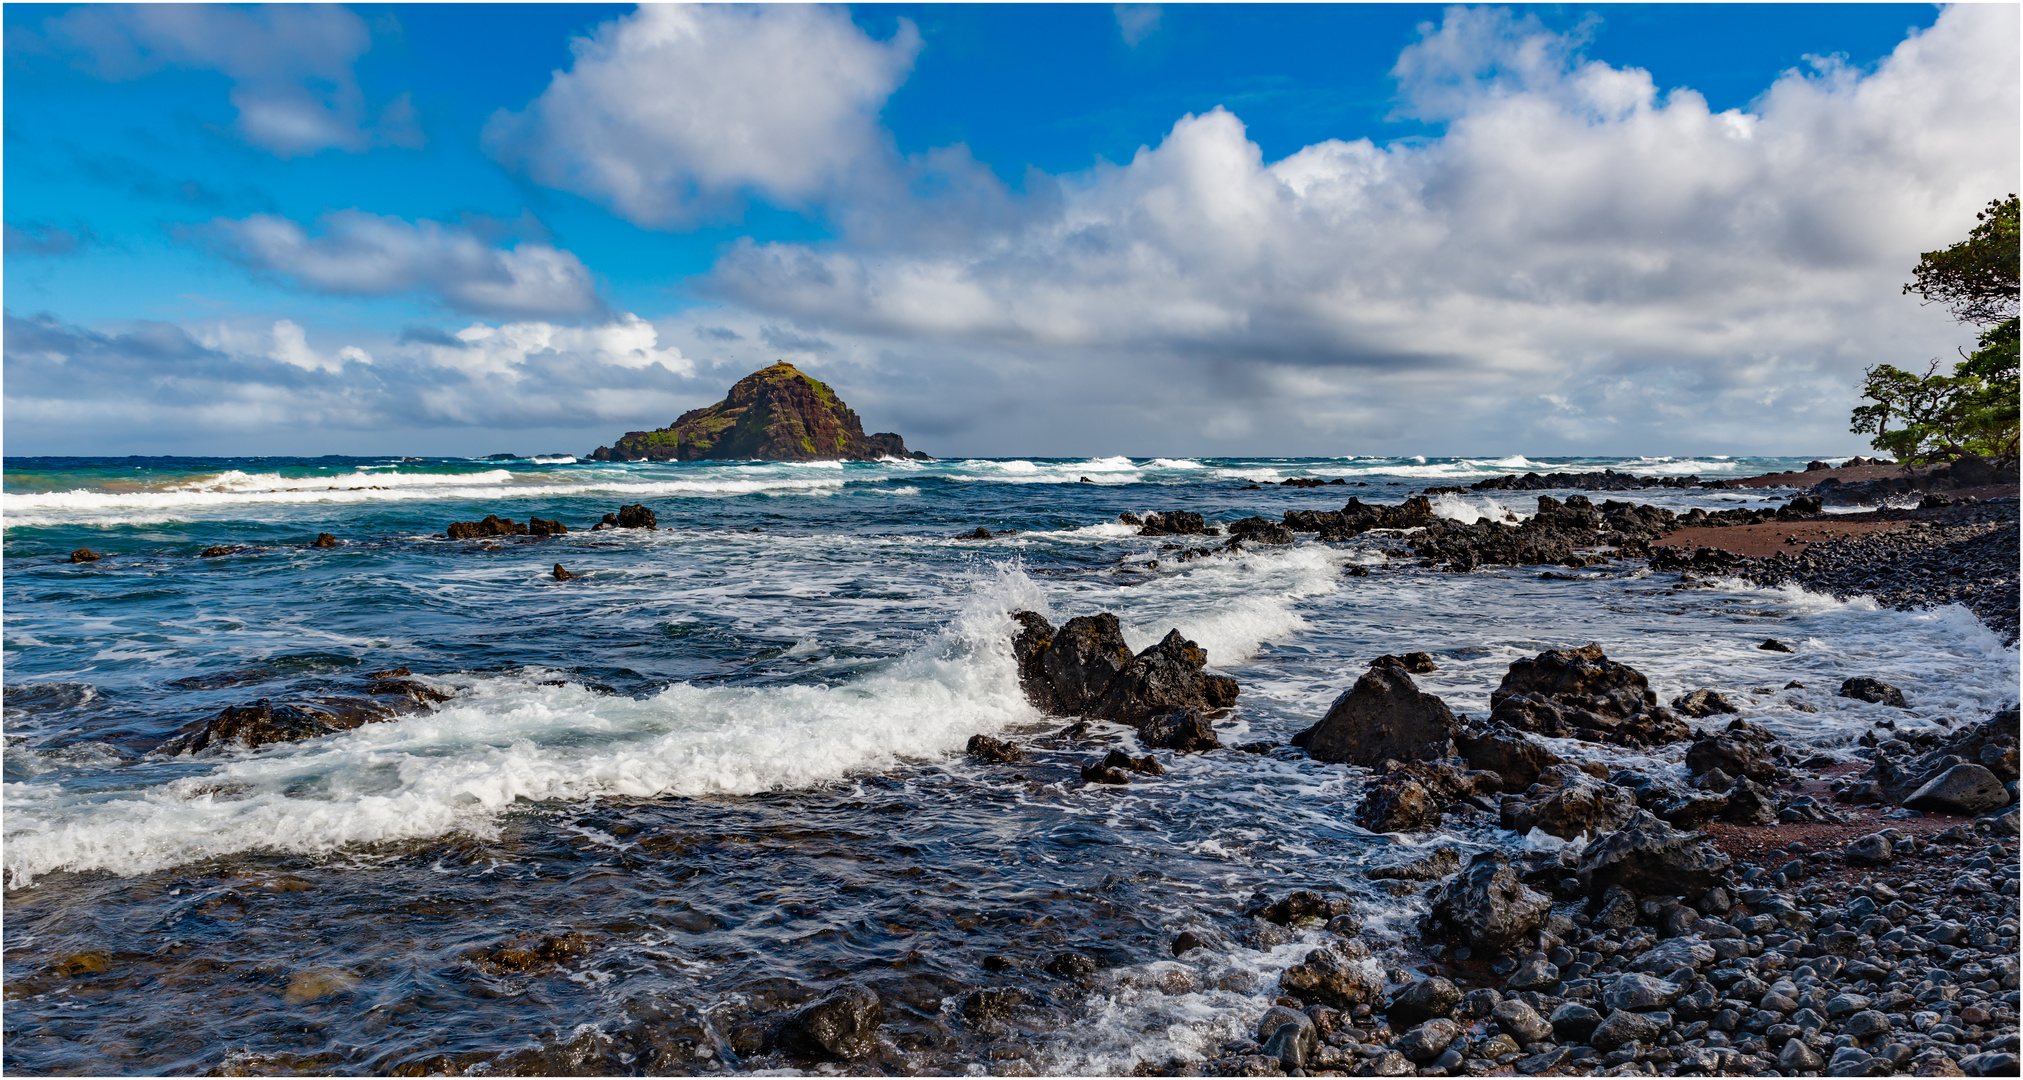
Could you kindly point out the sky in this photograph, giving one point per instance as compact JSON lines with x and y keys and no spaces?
{"x":1032,"y":230}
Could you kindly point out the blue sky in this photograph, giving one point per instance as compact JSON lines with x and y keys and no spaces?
{"x":1077,"y":229}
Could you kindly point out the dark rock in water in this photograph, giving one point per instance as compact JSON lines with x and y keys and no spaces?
{"x":1744,"y":749}
{"x":631,"y":517}
{"x":1647,"y":856}
{"x":1439,"y":863}
{"x":544,"y":527}
{"x":989,"y":749}
{"x":1515,"y":759}
{"x":1873,"y":691}
{"x":842,"y":1026}
{"x":1417,"y":663}
{"x":1410,"y":796}
{"x":1966,"y":789}
{"x":1702,"y":703}
{"x":1117,"y":759}
{"x":1183,"y":730}
{"x":1422,"y":1000}
{"x":1326,"y":977}
{"x":531,"y":952}
{"x":1300,"y":906}
{"x":1165,"y":677}
{"x":389,"y":673}
{"x":1079,"y":661}
{"x":1583,"y":694}
{"x":1175,"y":523}
{"x":774,"y":414}
{"x":979,"y":533}
{"x":1098,"y":773}
{"x":993,"y":1005}
{"x":1070,"y":965}
{"x":563,"y":575}
{"x":1429,"y":1040}
{"x":264,"y":722}
{"x":1567,"y":802}
{"x":1385,"y":716}
{"x":85,"y":555}
{"x":493,"y":525}
{"x":1771,"y":644}
{"x":1487,"y":906}
{"x":1288,"y":1035}
{"x":324,"y":540}
{"x":217,"y":551}
{"x":1259,"y":530}
{"x":419,"y":693}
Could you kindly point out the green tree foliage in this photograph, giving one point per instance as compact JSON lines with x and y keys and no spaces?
{"x":1974,"y":409}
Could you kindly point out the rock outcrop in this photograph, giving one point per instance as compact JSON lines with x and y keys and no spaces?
{"x":1085,"y":669}
{"x":1583,"y":694}
{"x":774,"y":414}
{"x":1384,"y":716}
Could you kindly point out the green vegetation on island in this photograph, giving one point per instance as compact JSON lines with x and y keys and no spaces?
{"x":774,"y":414}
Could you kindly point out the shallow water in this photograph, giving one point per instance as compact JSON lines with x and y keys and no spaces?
{"x":729,"y":755}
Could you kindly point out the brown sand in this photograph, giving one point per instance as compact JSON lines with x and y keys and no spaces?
{"x":1771,"y":537}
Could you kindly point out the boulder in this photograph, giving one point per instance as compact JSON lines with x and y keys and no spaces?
{"x":1567,"y":802}
{"x":83,"y":555}
{"x":1288,"y":1035}
{"x":1702,"y":703}
{"x":1422,"y":1000}
{"x":264,"y":722}
{"x":1521,"y":1021}
{"x":1173,"y":523}
{"x":545,"y":527}
{"x":841,"y":1026}
{"x":1647,"y":856}
{"x":1410,"y":797}
{"x":1581,"y":693}
{"x":1488,"y":907}
{"x":1690,"y":951}
{"x":1164,"y":678}
{"x":1301,"y":906}
{"x":1744,"y":749}
{"x":993,"y":1005}
{"x":492,"y":525}
{"x":994,"y":750}
{"x":1750,"y":803}
{"x":1874,"y":849}
{"x":324,"y":540}
{"x":562,"y":575}
{"x":1771,"y":644}
{"x":1965,"y":789}
{"x":1326,"y":977}
{"x":1438,"y":863}
{"x":1514,"y":758}
{"x":1184,"y":730}
{"x":1623,"y":1028}
{"x":1385,"y":716}
{"x":631,"y":517}
{"x":1574,"y":1022}
{"x":1873,"y":691}
{"x":1638,"y":992}
{"x":1078,"y":662}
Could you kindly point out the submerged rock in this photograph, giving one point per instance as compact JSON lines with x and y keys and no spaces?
{"x":1326,"y":977}
{"x":1385,"y":716}
{"x":85,"y":555}
{"x":324,"y":540}
{"x":841,"y":1026}
{"x":264,"y":722}
{"x":1183,"y":730}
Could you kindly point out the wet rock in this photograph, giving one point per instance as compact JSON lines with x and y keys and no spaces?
{"x":1623,"y":1028}
{"x":1065,"y":671}
{"x":563,"y":575}
{"x":1326,"y":977}
{"x":1390,"y":1063}
{"x":1774,"y":645}
{"x":1415,"y":663}
{"x":1750,"y":803}
{"x":545,"y":527}
{"x":1301,"y":906}
{"x":631,"y":517}
{"x":1174,"y":523}
{"x":1488,"y":907}
{"x":1702,"y":703}
{"x":1866,"y":1025}
{"x":1164,"y":678}
{"x":324,"y":540}
{"x":1874,"y":849}
{"x":1744,"y":749}
{"x":1796,"y":1057}
{"x":1516,"y":759}
{"x":1521,"y":1021}
{"x":1574,"y":1022}
{"x":492,"y":525}
{"x":1288,"y":1035}
{"x":1428,"y":1040}
{"x":1671,"y":955}
{"x":1098,"y":773}
{"x":1581,"y":693}
{"x":993,"y":750}
{"x":841,"y":1026}
{"x":1648,"y":856}
{"x":219,"y":551}
{"x":993,"y":1005}
{"x":1567,"y":802}
{"x":1145,"y":765}
{"x":1385,"y":716}
{"x":1965,"y":789}
{"x":1638,"y":992}
{"x":417,"y":692}
{"x":1873,"y":691}
{"x":1422,"y":1000}
{"x":264,"y":722}
{"x":1410,"y":797}
{"x":1183,"y":730}
{"x":1185,"y":942}
{"x":1534,"y":973}
{"x":1070,"y":965}
{"x":525,"y":953}
{"x":1438,"y":863}
{"x":82,"y":555}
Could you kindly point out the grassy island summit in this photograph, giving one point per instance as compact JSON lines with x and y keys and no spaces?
{"x":773,"y":414}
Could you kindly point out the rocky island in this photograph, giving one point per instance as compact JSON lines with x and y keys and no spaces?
{"x":774,"y":414}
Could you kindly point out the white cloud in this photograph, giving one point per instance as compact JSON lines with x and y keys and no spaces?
{"x":672,"y":114}
{"x":290,"y":65}
{"x":360,"y":254}
{"x":511,"y":350}
{"x":1574,"y":232}
{"x":1136,"y":22}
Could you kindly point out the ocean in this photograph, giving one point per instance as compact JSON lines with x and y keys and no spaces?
{"x":721,"y":771}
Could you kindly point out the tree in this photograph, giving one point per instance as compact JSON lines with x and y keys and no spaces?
{"x":1973,"y":410}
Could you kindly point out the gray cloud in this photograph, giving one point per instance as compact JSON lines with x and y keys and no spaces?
{"x":360,"y":254}
{"x":290,"y":65}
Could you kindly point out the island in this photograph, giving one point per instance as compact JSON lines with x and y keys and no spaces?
{"x":773,"y":414}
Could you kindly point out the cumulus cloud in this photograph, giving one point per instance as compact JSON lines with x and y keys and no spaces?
{"x":1577,"y":255}
{"x":673,"y":114}
{"x":290,"y":66}
{"x":360,"y":254}
{"x":151,"y":385}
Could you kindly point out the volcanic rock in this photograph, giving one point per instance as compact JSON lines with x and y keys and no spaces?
{"x":1422,"y":1000}
{"x":85,"y":555}
{"x":1966,"y":789}
{"x":324,"y":540}
{"x":1326,"y":977}
{"x":1513,"y":757}
{"x":1385,"y":716}
{"x":1744,"y":749}
{"x":1567,"y":802}
{"x":1183,"y":730}
{"x":562,"y":575}
{"x":265,"y":722}
{"x":774,"y":414}
{"x":841,"y":1026}
{"x":1873,"y":691}
{"x":630,"y":517}
{"x":1583,"y":694}
{"x":1702,"y":703}
{"x":1488,"y":906}
{"x":1165,"y":677}
{"x":1410,"y":796}
{"x":994,"y":750}
{"x":545,"y":527}
{"x":1647,"y":856}
{"x":493,"y":525}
